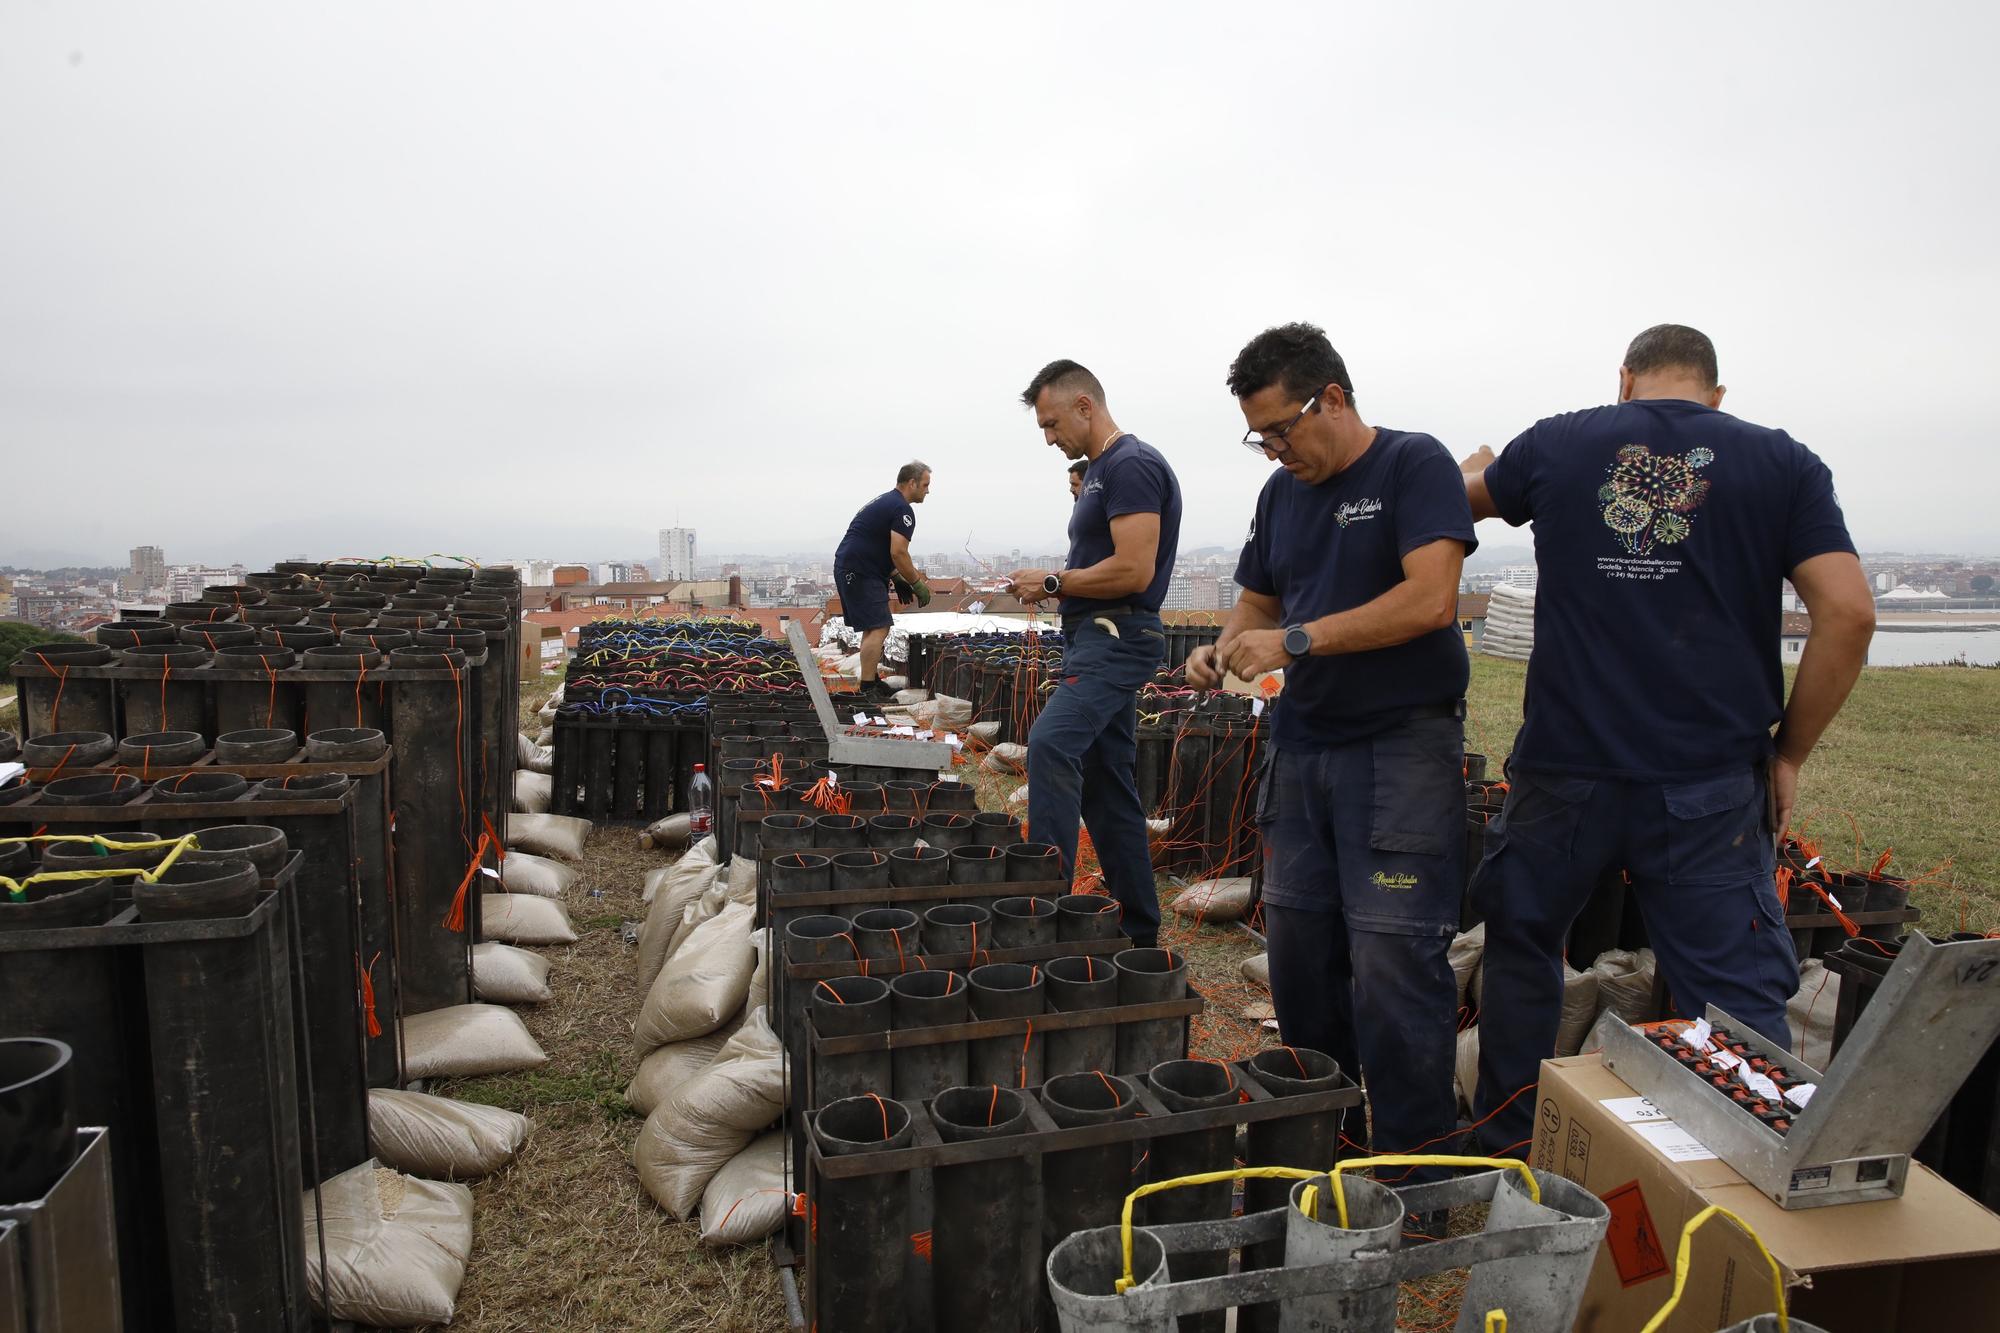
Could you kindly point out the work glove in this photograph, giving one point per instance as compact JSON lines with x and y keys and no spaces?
{"x":923,"y":592}
{"x":905,"y":594}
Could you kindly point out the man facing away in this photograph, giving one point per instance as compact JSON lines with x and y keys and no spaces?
{"x":1123,"y":534}
{"x":1349,"y":583}
{"x":1076,"y":471}
{"x":1663,"y":530}
{"x":877,"y":547}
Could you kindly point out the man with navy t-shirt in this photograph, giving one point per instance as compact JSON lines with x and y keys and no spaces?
{"x":875,"y":550}
{"x":1350,"y":584}
{"x":1123,"y":534}
{"x":1664,"y":530}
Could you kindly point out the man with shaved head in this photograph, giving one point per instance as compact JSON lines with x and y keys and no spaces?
{"x":1123,"y":534}
{"x":1664,"y":531}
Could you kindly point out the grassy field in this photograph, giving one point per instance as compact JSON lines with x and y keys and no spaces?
{"x":568,"y":1242}
{"x":1900,"y":770}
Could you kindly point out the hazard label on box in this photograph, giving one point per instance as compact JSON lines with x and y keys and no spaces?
{"x":1635,"y":1246}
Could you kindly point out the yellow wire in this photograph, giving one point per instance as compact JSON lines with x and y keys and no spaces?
{"x":1684,"y":1255}
{"x":1205,"y":1178}
{"x":1496,"y":1321}
{"x":1340,"y":1191}
{"x":18,"y":888}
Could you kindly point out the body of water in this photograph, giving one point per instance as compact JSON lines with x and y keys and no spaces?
{"x":1897,"y":646}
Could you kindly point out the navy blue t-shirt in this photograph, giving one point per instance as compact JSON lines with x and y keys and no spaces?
{"x":1128,"y":478}
{"x":1663,"y":532}
{"x":865,"y":548}
{"x":1338,"y":545}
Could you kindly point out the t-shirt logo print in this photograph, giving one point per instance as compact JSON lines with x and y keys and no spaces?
{"x":1649,"y":499}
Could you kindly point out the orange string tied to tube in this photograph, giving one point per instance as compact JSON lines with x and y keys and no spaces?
{"x":455,"y":918}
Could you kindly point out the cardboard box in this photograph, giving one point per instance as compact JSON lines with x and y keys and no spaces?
{"x":1924,"y":1261}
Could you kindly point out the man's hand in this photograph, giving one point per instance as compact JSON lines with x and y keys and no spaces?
{"x":1480,"y":461}
{"x":922,"y":589}
{"x":1784,"y":795}
{"x":1027,"y":584}
{"x":1256,"y":651}
{"x":1203,"y":671}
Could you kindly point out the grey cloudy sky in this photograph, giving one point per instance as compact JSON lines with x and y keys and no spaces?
{"x":516,"y":280}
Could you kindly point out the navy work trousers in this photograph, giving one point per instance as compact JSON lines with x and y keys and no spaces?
{"x":1364,"y":873}
{"x":1083,"y":758}
{"x":1701,"y":857}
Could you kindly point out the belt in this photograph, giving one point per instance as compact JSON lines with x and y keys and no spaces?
{"x":1456,"y":709}
{"x":1118,"y":612}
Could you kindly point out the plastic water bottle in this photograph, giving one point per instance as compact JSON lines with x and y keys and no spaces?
{"x":701,"y":804}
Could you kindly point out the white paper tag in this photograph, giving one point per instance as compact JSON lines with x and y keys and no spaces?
{"x":489,"y":872}
{"x":1256,"y":708}
{"x":861,"y":719}
{"x":948,"y":777}
{"x":881,"y":721}
{"x":832,"y":778}
{"x":1723,"y":1060}
{"x":10,"y":770}
{"x":904,"y":731}
{"x":1676,"y":1143}
{"x":923,"y":735}
{"x":1760,"y":1085}
{"x":1832,"y":898}
{"x":1802,"y":1095}
{"x":951,"y":739}
{"x":1634,"y":1110}
{"x":1698,"y":1035}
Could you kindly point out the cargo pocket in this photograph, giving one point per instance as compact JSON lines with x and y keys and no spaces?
{"x":1419,"y":788}
{"x":1543,"y":810}
{"x":1715,"y":830}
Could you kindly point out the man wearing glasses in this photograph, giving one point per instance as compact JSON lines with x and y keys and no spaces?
{"x":1350,"y":584}
{"x":875,"y":550}
{"x":1123,"y":534}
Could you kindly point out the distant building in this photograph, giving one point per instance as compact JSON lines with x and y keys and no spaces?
{"x":185,"y":582}
{"x":149,"y":568}
{"x":1472,"y":616}
{"x":676,"y":554}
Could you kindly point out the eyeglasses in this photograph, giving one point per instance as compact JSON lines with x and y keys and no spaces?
{"x":1277,"y":442}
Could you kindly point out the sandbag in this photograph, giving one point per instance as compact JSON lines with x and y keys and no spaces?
{"x":1810,"y":1013}
{"x":1215,"y":900}
{"x":943,"y":712}
{"x":689,"y":1136}
{"x":760,"y":975}
{"x":986,"y":733}
{"x":1257,"y":969}
{"x":524,"y":872}
{"x":745,"y":1201}
{"x":1007,"y":757}
{"x":896,"y":684}
{"x":545,"y":739}
{"x":1465,"y":1067}
{"x":441,"y":1139}
{"x":667,"y":1070}
{"x":1464,"y":954}
{"x":910,"y":698}
{"x":662,"y":929}
{"x":523,"y":918}
{"x":702,"y":984}
{"x":1017,"y":799}
{"x":396,"y":1247}
{"x":533,"y":792}
{"x":669,"y":834}
{"x":548,"y":835}
{"x":692,"y":860}
{"x":502,"y":974}
{"x":1625,"y":983}
{"x":464,"y":1039}
{"x":1579,"y":1010}
{"x":543,"y":760}
{"x":524,"y":748}
{"x":703,"y":909}
{"x":743,"y":880}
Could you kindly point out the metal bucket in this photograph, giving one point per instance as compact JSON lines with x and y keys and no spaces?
{"x":1374,"y":1222}
{"x":1083,"y":1273}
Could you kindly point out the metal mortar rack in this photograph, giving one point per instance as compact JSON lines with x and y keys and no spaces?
{"x":1937,"y":1012}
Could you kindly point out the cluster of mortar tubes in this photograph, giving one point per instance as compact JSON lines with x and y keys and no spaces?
{"x":984,"y":1215}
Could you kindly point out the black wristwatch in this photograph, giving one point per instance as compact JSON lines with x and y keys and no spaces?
{"x":1052,"y":585}
{"x":1298,"y":641}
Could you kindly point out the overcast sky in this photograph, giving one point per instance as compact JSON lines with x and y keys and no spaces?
{"x":521,"y":280}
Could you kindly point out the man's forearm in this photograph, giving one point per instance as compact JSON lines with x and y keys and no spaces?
{"x":1114,"y":576}
{"x":905,"y":566}
{"x":1245,"y":616}
{"x":1828,"y":668}
{"x":1405,"y":612}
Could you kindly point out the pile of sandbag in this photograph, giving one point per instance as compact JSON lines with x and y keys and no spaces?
{"x":536,"y":756}
{"x":533,"y":791}
{"x":667,"y":835}
{"x":548,"y":835}
{"x":1510,"y":623}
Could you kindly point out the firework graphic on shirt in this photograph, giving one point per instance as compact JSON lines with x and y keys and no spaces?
{"x":1649,"y":499}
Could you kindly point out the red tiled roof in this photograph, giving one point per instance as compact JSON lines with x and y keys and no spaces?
{"x":1472,"y":605}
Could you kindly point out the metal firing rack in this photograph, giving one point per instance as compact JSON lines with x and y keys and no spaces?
{"x":843,"y":746}
{"x":1936,"y":1013}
